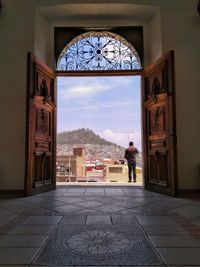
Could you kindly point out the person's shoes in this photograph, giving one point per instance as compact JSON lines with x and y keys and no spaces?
{"x":129,"y":181}
{"x":134,"y":181}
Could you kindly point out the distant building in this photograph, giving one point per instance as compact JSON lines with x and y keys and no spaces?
{"x":119,"y":172}
{"x":70,"y":167}
{"x":76,"y":168}
{"x":95,"y":171}
{"x":114,"y":172}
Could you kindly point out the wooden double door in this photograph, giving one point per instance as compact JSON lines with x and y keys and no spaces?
{"x":158,"y":134}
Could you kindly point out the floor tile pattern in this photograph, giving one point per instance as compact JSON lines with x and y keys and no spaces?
{"x":98,"y":245}
{"x":99,"y":226}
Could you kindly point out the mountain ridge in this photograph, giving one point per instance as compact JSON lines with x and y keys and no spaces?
{"x":82,"y":136}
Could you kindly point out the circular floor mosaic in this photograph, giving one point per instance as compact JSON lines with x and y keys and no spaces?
{"x":97,"y":245}
{"x":97,"y":242}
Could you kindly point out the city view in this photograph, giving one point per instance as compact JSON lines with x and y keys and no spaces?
{"x":97,"y":117}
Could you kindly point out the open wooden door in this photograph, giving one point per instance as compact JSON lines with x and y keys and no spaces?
{"x":159,"y":126}
{"x":41,"y":128}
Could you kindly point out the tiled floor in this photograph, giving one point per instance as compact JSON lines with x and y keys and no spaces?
{"x":100,"y":226}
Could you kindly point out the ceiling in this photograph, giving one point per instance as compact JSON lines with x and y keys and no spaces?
{"x":98,"y":10}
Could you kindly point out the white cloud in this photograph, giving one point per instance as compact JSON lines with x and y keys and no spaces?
{"x":84,"y":106}
{"x":67,"y":93}
{"x":108,"y":132}
{"x":86,"y":87}
{"x":122,"y":138}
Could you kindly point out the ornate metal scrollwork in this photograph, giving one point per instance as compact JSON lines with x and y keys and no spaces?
{"x":99,"y":51}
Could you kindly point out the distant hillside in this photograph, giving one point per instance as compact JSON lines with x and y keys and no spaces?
{"x":82,"y":136}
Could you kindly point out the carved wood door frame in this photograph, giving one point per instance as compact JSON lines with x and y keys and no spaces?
{"x":158,"y":120}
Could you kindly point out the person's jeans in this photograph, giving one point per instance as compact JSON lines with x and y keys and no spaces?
{"x":132,"y":170}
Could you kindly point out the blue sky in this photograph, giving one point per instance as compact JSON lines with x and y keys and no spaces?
{"x":110,"y":106}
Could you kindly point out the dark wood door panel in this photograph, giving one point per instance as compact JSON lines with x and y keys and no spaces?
{"x":158,"y":168}
{"x":42,"y":171}
{"x":41,"y":127}
{"x":159,"y":126}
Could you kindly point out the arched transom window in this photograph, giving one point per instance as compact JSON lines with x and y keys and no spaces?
{"x":98,"y":51}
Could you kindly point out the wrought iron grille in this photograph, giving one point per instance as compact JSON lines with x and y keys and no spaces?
{"x":98,"y":51}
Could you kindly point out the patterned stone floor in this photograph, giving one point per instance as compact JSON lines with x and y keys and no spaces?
{"x":100,"y":226}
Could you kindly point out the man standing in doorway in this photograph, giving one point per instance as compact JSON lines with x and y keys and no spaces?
{"x":130,"y":156}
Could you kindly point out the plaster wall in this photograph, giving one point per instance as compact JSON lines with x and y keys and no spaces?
{"x":155,"y":36}
{"x":42,"y":37}
{"x":181,"y":32}
{"x":17,"y":38}
{"x":163,"y":3}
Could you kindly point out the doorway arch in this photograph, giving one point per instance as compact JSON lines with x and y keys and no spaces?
{"x":97,"y":51}
{"x":159,"y":122}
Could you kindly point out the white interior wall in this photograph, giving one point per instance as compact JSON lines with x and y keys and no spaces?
{"x":42,"y":37}
{"x":181,"y":32}
{"x":17,"y":38}
{"x":155,"y":40}
{"x":161,"y":3}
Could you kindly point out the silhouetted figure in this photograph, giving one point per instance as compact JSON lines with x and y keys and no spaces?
{"x":130,"y":156}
